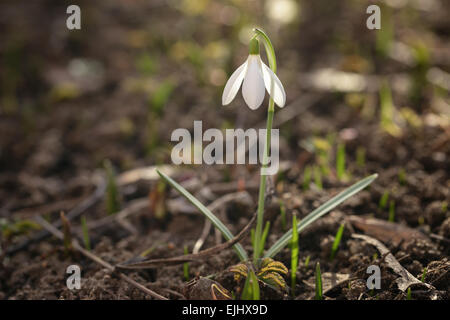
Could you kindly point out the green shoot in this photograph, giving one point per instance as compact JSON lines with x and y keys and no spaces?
{"x":112,"y":195}
{"x":186,"y":266}
{"x":384,"y":200}
{"x":337,"y":241}
{"x":146,"y":64}
{"x":424,"y":273}
{"x":387,"y":111}
{"x":375,"y":256}
{"x":306,"y":263}
{"x":215,"y":221}
{"x":294,"y":254}
{"x":402,"y":176}
{"x":264,"y":237}
{"x":385,"y":36}
{"x":283,"y":215}
{"x":391,"y":211}
{"x":340,"y":161}
{"x":444,"y":206}
{"x":161,"y":96}
{"x":421,"y":220}
{"x":86,"y":240}
{"x":251,"y":287}
{"x":66,"y":232}
{"x":361,"y":157}
{"x":319,"y":212}
{"x":319,"y":295}
{"x":318,"y":178}
{"x":408,"y":294}
{"x":306,"y":177}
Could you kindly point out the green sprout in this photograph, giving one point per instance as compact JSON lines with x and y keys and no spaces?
{"x":264,"y":236}
{"x":112,"y":194}
{"x":294,"y":254}
{"x":424,"y":274}
{"x":384,"y":200}
{"x":340,"y":161}
{"x":337,"y":241}
{"x":86,"y":240}
{"x":385,"y":36}
{"x":318,"y":178}
{"x":306,"y":263}
{"x":319,"y":295}
{"x":387,"y":111}
{"x":402,"y":176}
{"x":251,"y":287}
{"x":408,"y":294}
{"x":391,"y":211}
{"x":186,"y":266}
{"x":306,"y":177}
{"x":361,"y":157}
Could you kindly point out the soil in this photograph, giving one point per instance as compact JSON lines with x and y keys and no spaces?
{"x":57,"y":128}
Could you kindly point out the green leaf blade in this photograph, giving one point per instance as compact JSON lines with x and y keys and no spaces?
{"x":319,"y":212}
{"x":215,"y":221}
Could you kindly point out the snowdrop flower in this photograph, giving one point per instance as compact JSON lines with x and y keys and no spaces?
{"x":255,"y":77}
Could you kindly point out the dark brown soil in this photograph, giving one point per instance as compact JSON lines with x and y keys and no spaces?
{"x":54,"y":139}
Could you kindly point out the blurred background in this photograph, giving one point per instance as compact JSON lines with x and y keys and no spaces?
{"x":359,"y":101}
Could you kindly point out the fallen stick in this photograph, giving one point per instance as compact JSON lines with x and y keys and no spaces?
{"x":212,"y":207}
{"x":72,"y":214}
{"x":406,"y":278}
{"x":75,"y":245}
{"x":147,"y":264}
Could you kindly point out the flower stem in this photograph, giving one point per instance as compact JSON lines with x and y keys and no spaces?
{"x":257,"y":250}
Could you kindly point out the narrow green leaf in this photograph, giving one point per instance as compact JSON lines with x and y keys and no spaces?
{"x":319,"y":212}
{"x":340,"y":161}
{"x":186,"y":266}
{"x":319,"y":295}
{"x":294,"y":254}
{"x":337,"y":241}
{"x":264,"y":236}
{"x":251,"y":287}
{"x":255,"y":285}
{"x":215,"y":221}
{"x":84,"y":227}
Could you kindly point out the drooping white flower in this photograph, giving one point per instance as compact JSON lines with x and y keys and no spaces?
{"x":255,"y":77}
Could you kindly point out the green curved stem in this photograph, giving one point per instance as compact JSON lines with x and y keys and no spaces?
{"x":257,"y":250}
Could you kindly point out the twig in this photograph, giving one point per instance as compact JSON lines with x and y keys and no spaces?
{"x":406,"y":278}
{"x":72,"y":214}
{"x":189,"y":257}
{"x":220,"y":202}
{"x":51,"y":229}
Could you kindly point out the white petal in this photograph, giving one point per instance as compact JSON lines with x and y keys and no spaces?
{"x":278,"y":94}
{"x":253,"y":87}
{"x":233,"y":84}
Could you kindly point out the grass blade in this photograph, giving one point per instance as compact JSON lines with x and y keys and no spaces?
{"x":337,"y":241}
{"x":294,"y":254}
{"x":319,"y":295}
{"x":251,"y":287}
{"x":319,"y":212}
{"x":86,"y":240}
{"x":186,"y":266}
{"x":215,"y":221}
{"x":264,"y":236}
